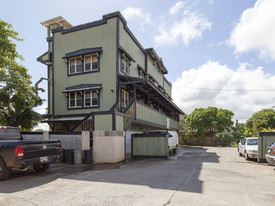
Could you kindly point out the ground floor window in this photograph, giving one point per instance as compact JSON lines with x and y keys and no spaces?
{"x":82,"y":99}
{"x":91,"y":98}
{"x":75,"y":100}
{"x":124,"y":98}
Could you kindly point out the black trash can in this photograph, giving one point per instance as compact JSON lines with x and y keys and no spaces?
{"x":69,"y":155}
{"x":62,"y":157}
{"x":88,"y":156}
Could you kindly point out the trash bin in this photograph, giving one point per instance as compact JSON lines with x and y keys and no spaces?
{"x":77,"y":157}
{"x":62,"y":156}
{"x":69,"y":155}
{"x":88,"y":156}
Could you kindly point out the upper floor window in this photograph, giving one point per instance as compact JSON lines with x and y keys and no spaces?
{"x":75,"y":65}
{"x":91,"y":62}
{"x":91,"y":98}
{"x":125,"y":65}
{"x":83,"y":61}
{"x":75,"y":100}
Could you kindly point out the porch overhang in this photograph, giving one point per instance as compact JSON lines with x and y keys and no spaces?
{"x":64,"y":119}
{"x":146,"y":87}
{"x":82,"y":52}
{"x":82,"y":87}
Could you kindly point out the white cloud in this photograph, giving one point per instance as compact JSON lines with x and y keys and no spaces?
{"x":132,"y":13}
{"x":239,"y":89}
{"x":255,"y":30}
{"x":211,"y":2}
{"x":176,"y":7}
{"x":185,"y":25}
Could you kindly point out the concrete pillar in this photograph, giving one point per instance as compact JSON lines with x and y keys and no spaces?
{"x":85,"y":140}
{"x":46,"y":135}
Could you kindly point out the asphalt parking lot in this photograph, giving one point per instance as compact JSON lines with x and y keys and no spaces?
{"x":194,"y":176}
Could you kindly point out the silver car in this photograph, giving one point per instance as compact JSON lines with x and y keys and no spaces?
{"x":248,"y":147}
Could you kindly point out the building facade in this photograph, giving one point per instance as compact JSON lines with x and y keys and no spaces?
{"x":101,"y":78}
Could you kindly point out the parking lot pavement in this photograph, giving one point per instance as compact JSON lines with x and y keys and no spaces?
{"x":194,"y":176}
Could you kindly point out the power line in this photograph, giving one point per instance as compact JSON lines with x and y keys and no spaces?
{"x":235,"y":90}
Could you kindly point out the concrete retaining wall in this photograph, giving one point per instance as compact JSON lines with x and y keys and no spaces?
{"x":69,"y":140}
{"x":108,"y":146}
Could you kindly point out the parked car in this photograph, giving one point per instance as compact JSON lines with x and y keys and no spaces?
{"x":248,"y":147}
{"x":173,"y":141}
{"x":270,"y":156}
{"x":18,"y":154}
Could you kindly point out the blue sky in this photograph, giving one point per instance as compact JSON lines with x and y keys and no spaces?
{"x":218,"y":52}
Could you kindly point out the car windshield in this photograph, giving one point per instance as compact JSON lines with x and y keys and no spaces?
{"x":252,"y":141}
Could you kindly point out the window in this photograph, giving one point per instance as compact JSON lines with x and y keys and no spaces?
{"x":124,"y":98}
{"x":82,"y":99}
{"x":140,"y":74}
{"x":125,"y":65}
{"x":75,"y":100}
{"x":91,"y":98}
{"x":91,"y":63}
{"x":75,"y":65}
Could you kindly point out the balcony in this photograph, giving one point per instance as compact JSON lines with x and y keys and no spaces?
{"x":147,"y":115}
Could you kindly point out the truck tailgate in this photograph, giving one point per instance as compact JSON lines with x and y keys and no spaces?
{"x":40,"y":148}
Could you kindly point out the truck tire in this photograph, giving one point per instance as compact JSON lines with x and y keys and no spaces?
{"x":42,"y":167}
{"x":246,"y":156}
{"x":4,"y":171}
{"x":175,"y":149}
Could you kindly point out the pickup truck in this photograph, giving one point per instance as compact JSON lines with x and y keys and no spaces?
{"x":19,"y":154}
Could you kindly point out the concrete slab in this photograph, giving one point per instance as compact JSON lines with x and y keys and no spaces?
{"x":194,"y":176}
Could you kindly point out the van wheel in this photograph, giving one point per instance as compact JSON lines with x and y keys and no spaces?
{"x":4,"y":171}
{"x":42,"y":167}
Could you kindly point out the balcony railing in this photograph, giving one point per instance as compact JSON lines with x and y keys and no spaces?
{"x":148,"y":114}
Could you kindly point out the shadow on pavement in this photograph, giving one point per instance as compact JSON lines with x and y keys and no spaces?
{"x":180,"y":172}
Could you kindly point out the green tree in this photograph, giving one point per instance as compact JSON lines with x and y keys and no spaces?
{"x":262,"y":120}
{"x":18,"y":97}
{"x":239,"y":131}
{"x":209,"y":120}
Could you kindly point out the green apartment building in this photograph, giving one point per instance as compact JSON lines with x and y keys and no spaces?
{"x":101,"y":78}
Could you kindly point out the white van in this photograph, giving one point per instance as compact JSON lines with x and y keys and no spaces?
{"x":173,"y":141}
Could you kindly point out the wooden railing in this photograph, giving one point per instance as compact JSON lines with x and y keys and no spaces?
{"x":130,"y":114}
{"x":86,"y":125}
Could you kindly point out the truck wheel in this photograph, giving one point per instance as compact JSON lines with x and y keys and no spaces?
{"x":240,"y":154}
{"x":175,"y":149}
{"x":246,"y":156}
{"x":42,"y":167}
{"x":4,"y":171}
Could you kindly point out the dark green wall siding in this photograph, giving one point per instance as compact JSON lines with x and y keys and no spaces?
{"x":99,"y":36}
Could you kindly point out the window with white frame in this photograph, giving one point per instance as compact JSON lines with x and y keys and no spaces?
{"x":91,"y":62}
{"x":91,"y":98}
{"x":75,"y":65}
{"x":124,"y":98}
{"x":75,"y":99}
{"x":125,"y":64}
